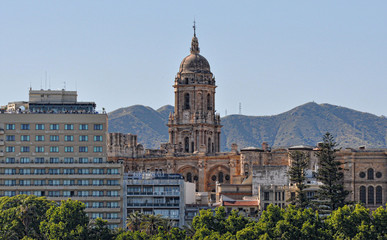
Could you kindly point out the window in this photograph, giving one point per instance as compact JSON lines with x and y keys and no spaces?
{"x":53,"y":182}
{"x":68,"y":171}
{"x":25,"y":127}
{"x":39,"y":160}
{"x":39,"y":138}
{"x":83,"y":160}
{"x":54,"y":126}
{"x":379,"y":195}
{"x":39,"y":149}
{"x":112,"y":205}
{"x":111,"y":215}
{"x":112,"y":193}
{"x":39,"y":126}
{"x":25,"y":182}
{"x":10,"y":127}
{"x":53,"y":193}
{"x":371,"y":199}
{"x":97,"y":171}
{"x":186,"y":144}
{"x":97,"y":193}
{"x":69,"y":160}
{"x":189,"y":177}
{"x":209,"y":107}
{"x":69,"y":127}
{"x":10,"y":182}
{"x":220,"y":177}
{"x":24,"y":171}
{"x":24,"y":149}
{"x":370,"y":174}
{"x":24,"y":160}
{"x":97,"y":138}
{"x":97,"y":160}
{"x":83,"y":182}
{"x":83,"y":149}
{"x":9,"y":171}
{"x":97,"y":204}
{"x":38,"y":193}
{"x":112,"y":171}
{"x":68,"y":182}
{"x":39,"y":171}
{"x":25,"y":138}
{"x":10,"y":160}
{"x":96,"y":215}
{"x":24,"y":192}
{"x":97,"y":182}
{"x":10,"y":138}
{"x":98,"y":127}
{"x":362,"y":194}
{"x":10,"y":149}
{"x":83,"y":193}
{"x":54,"y":149}
{"x":83,"y":138}
{"x":115,"y":182}
{"x":69,"y":138}
{"x":186,"y":101}
{"x":83,"y":171}
{"x":266,"y":196}
{"x":83,"y":127}
{"x":68,"y":193}
{"x":54,"y":138}
{"x":9,"y":193}
{"x":97,"y":149}
{"x":69,"y":149}
{"x":53,"y":171}
{"x":39,"y":182}
{"x":54,"y":160}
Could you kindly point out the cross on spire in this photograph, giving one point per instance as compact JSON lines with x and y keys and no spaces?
{"x":194,"y":28}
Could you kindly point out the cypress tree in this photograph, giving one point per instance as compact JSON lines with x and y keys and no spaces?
{"x":300,"y":161}
{"x":331,"y":194}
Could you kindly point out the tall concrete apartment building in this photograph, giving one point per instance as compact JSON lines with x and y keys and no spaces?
{"x":55,"y":146}
{"x":155,"y":193}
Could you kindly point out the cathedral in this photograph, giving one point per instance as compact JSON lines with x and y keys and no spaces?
{"x":193,"y":150}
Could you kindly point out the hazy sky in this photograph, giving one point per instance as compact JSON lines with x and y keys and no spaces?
{"x":270,"y":56}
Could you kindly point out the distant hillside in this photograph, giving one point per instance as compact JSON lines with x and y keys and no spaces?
{"x":304,"y":124}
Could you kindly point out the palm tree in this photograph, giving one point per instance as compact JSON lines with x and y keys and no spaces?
{"x":134,"y":220}
{"x":152,"y":222}
{"x":167,"y":224}
{"x":189,"y":229}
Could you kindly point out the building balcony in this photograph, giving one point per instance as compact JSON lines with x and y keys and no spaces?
{"x":153,"y":193}
{"x":174,"y":205}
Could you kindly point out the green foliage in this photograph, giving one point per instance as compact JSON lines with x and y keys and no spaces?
{"x":69,"y":221}
{"x":332,"y":193}
{"x":300,"y":161}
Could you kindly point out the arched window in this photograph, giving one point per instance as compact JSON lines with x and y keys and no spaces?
{"x":186,"y":80}
{"x":186,"y":101}
{"x":192,"y":146}
{"x":209,"y":145}
{"x":363,"y":194}
{"x":370,"y":173}
{"x":186,"y":144}
{"x":379,"y":195}
{"x":220,"y":177}
{"x":209,"y":106}
{"x":189,"y":177}
{"x":172,"y":137}
{"x":371,"y":199}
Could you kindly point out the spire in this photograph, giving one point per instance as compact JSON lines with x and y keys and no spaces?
{"x":195,"y":42}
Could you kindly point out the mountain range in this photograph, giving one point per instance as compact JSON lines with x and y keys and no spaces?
{"x":303,"y":125}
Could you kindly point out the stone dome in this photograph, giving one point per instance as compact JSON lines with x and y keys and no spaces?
{"x":195,"y":63}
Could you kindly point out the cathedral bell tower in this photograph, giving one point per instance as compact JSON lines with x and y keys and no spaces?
{"x":194,"y":126}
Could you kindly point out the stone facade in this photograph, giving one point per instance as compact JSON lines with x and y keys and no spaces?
{"x":194,"y":126}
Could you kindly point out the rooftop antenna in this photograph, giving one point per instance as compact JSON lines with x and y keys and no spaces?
{"x":64,"y":85}
{"x":45,"y":80}
{"x":240,"y":108}
{"x":76,"y":86}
